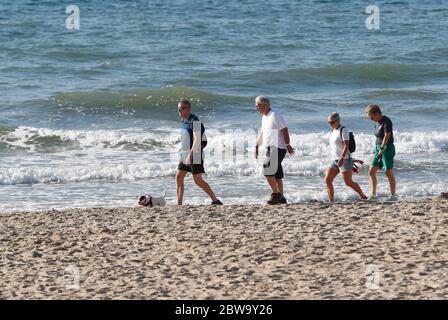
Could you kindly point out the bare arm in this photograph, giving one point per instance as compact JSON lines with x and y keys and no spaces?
{"x":258,"y":143}
{"x":195,"y":149}
{"x":386,"y":139}
{"x":387,"y":127}
{"x":346,"y":148}
{"x":285,"y":134}
{"x":383,"y":144}
{"x":196,"y":141}
{"x":344,"y":152}
{"x":259,"y":139}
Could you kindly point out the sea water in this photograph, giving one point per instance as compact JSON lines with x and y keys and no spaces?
{"x":88,"y":116}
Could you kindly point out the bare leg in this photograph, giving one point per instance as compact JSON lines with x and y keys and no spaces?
{"x":280,"y":185}
{"x":329,"y":177}
{"x":392,"y":182}
{"x":373,"y":181}
{"x":347,"y":175}
{"x":180,"y":177}
{"x":273,"y":183}
{"x":204,"y":186}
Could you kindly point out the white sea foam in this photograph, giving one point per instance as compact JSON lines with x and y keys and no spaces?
{"x":86,"y":172}
{"x":116,"y":155}
{"x":308,"y":144}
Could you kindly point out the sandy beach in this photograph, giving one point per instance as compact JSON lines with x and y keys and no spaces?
{"x":299,"y":251}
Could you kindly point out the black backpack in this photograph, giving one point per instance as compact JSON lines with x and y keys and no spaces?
{"x":352,"y":142}
{"x":204,"y":140}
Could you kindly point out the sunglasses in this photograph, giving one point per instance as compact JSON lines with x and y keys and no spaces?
{"x":331,"y":122}
{"x":182,"y":109}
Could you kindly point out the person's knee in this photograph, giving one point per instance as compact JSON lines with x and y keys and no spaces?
{"x":328,"y":181}
{"x":390,"y":173}
{"x":180,"y":177}
{"x":372,"y":171}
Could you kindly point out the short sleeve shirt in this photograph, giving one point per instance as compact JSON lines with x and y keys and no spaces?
{"x":272,"y":124}
{"x":381,"y":128}
{"x":337,"y":143}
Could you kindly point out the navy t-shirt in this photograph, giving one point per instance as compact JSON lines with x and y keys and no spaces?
{"x":187,"y":127}
{"x":381,"y":128}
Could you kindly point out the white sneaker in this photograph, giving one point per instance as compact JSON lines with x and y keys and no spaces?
{"x":373,"y":197}
{"x":392,"y":198}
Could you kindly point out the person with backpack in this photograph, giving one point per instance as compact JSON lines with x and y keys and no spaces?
{"x":342,"y":144}
{"x":193,"y":141}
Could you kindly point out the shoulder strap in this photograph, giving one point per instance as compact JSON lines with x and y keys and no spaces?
{"x":191,"y":121}
{"x":191,"y":124}
{"x":340,"y":132}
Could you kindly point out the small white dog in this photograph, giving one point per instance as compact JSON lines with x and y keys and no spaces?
{"x":151,"y":201}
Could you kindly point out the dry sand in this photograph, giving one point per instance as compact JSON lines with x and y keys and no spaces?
{"x":301,"y":251}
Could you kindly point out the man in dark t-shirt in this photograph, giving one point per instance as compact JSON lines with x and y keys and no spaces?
{"x":383,"y":126}
{"x":193,"y":141}
{"x":384,"y":151}
{"x":188,"y":127}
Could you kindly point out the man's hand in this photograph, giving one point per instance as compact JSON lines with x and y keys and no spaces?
{"x":256,"y":152}
{"x":340,"y":162}
{"x":380,"y":154}
{"x":291,"y":150}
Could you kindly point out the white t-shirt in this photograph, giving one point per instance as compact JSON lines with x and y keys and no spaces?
{"x":270,"y":126}
{"x":336,"y":143}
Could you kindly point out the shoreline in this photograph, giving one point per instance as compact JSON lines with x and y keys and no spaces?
{"x":358,"y":250}
{"x":352,"y":201}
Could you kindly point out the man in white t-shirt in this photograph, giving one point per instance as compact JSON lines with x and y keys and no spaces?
{"x":340,"y":158}
{"x":274,"y":136}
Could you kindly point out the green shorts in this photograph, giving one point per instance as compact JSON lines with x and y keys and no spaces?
{"x":387,"y":160}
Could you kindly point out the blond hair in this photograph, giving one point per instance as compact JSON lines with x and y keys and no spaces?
{"x":373,"y":109}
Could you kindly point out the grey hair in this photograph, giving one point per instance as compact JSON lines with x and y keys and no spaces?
{"x":334,"y":116}
{"x":264,"y":100}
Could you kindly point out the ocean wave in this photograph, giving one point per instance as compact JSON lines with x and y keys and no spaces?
{"x":43,"y":140}
{"x":430,"y":54}
{"x":406,"y":94}
{"x":107,"y":171}
{"x":163,"y":100}
{"x":353,"y":73}
{"x":119,"y":170}
{"x":115,"y":155}
{"x":82,"y":173}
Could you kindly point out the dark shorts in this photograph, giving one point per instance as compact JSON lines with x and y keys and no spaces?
{"x":193,"y":168}
{"x":273,"y":163}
